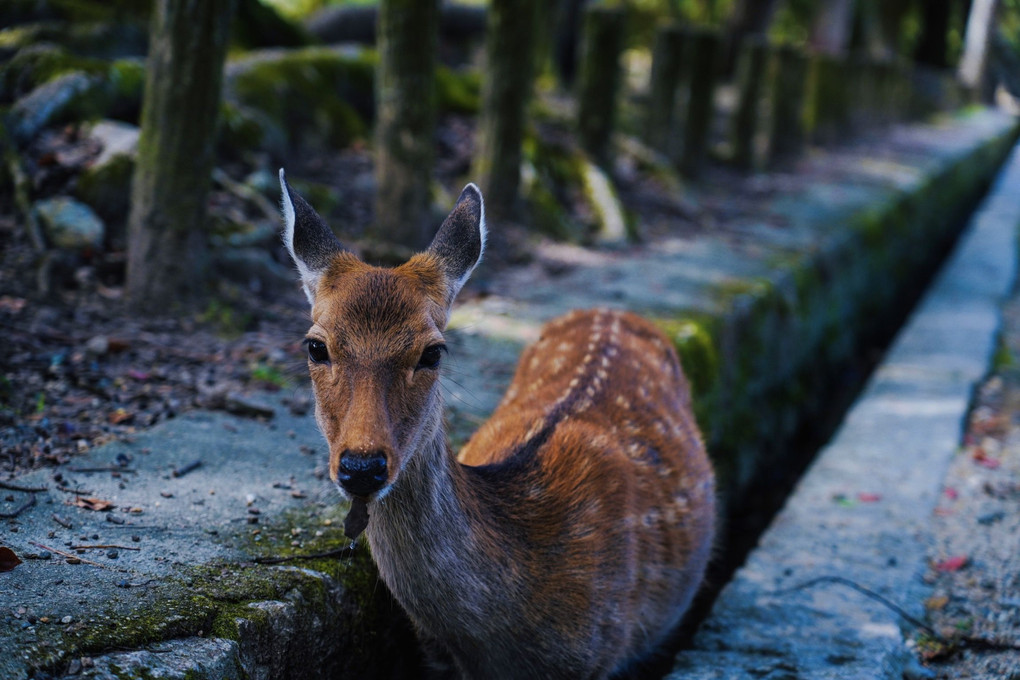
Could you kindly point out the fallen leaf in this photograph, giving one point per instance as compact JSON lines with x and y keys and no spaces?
{"x":91,"y":503}
{"x":984,"y":460}
{"x":869,"y":497}
{"x":120,"y":416}
{"x":12,"y":304}
{"x":954,"y":563}
{"x":8,"y":560}
{"x":936,"y":602}
{"x":951,"y":493}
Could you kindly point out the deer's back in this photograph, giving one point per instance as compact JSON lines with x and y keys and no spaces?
{"x":616,"y":499}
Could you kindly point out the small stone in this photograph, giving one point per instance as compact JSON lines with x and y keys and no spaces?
{"x":73,"y":560}
{"x":74,"y":668}
{"x":136,"y":539}
{"x":113,"y":554}
{"x":991,"y":517}
{"x":98,"y":345}
{"x":66,"y":620}
{"x":44,"y":619}
{"x":69,"y":224}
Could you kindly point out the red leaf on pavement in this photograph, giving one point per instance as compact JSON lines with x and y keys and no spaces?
{"x":869,"y":497}
{"x":951,"y":493}
{"x":954,"y":563}
{"x":983,"y":459}
{"x":8,"y":560}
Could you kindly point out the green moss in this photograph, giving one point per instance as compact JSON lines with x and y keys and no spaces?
{"x":458,"y":91}
{"x":315,"y":96}
{"x":695,"y":342}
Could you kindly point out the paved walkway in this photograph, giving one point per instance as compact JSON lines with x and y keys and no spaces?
{"x":864,"y":511}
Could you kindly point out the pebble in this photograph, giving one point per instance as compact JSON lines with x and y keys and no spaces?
{"x":66,"y":620}
{"x":112,"y":554}
{"x":991,"y":517}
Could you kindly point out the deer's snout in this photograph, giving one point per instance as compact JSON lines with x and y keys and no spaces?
{"x":362,"y":473}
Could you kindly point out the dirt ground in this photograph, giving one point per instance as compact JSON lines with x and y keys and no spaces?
{"x":974,"y":563}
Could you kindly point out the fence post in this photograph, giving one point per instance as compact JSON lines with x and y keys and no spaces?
{"x":600,"y":79}
{"x":750,"y":74}
{"x":667,"y":67}
{"x":704,"y":50}
{"x":789,"y":83}
{"x":828,"y":104}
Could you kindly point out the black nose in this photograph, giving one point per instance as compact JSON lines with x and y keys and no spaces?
{"x":360,"y":473}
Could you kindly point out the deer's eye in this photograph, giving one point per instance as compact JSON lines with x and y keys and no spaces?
{"x":317,"y":352}
{"x":431,"y":357}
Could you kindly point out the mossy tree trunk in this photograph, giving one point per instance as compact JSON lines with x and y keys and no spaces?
{"x":667,"y":68}
{"x":750,"y":75}
{"x":166,"y":246}
{"x":703,"y":53}
{"x":510,"y":47}
{"x":600,"y":79}
{"x":786,"y":134}
{"x":405,"y":94}
{"x":932,"y":44}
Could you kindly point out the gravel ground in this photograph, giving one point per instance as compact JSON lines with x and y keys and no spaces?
{"x":974,"y":563}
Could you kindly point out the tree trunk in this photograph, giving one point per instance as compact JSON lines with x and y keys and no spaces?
{"x":750,"y":77}
{"x":667,"y":69}
{"x":789,"y":84}
{"x":600,"y":80}
{"x":166,"y":248}
{"x":406,"y":120}
{"x":750,"y":19}
{"x":832,"y":26}
{"x":703,"y":52}
{"x":507,"y":82}
{"x":976,"y":46}
{"x":932,"y":43}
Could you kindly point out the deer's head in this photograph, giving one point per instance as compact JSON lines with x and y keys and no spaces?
{"x":376,"y":341}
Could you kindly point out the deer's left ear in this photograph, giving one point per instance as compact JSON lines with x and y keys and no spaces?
{"x":309,"y":240}
{"x":460,"y":241}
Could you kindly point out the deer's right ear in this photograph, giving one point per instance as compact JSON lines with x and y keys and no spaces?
{"x":309,"y":240}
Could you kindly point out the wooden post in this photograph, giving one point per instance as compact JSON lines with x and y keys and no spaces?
{"x":704,"y":52}
{"x":405,"y":120}
{"x":600,"y":80}
{"x":789,"y":83}
{"x":166,"y":242}
{"x":667,"y":67}
{"x":507,"y":89}
{"x":828,"y":105}
{"x":750,"y":75}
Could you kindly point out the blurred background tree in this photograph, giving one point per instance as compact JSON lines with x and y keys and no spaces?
{"x":167,"y":257}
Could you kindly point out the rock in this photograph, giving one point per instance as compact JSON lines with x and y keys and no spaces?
{"x":69,"y":224}
{"x":50,"y":102}
{"x":116,"y":137}
{"x":106,"y":184}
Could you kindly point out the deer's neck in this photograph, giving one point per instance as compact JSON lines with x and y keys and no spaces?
{"x":435,"y":540}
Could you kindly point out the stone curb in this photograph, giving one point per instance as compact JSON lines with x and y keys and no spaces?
{"x":864,"y":509}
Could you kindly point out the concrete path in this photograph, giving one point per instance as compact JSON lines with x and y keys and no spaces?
{"x":863,"y":512}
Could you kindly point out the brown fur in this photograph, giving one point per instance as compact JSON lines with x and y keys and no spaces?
{"x":573,"y":531}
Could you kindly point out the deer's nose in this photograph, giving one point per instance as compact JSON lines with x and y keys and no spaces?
{"x":362,"y":473}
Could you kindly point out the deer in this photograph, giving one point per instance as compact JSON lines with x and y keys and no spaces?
{"x":569,"y":535}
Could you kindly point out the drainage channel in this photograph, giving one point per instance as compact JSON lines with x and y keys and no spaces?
{"x":911,"y":408}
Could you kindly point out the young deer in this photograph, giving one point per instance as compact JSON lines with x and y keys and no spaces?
{"x":570,"y":534}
